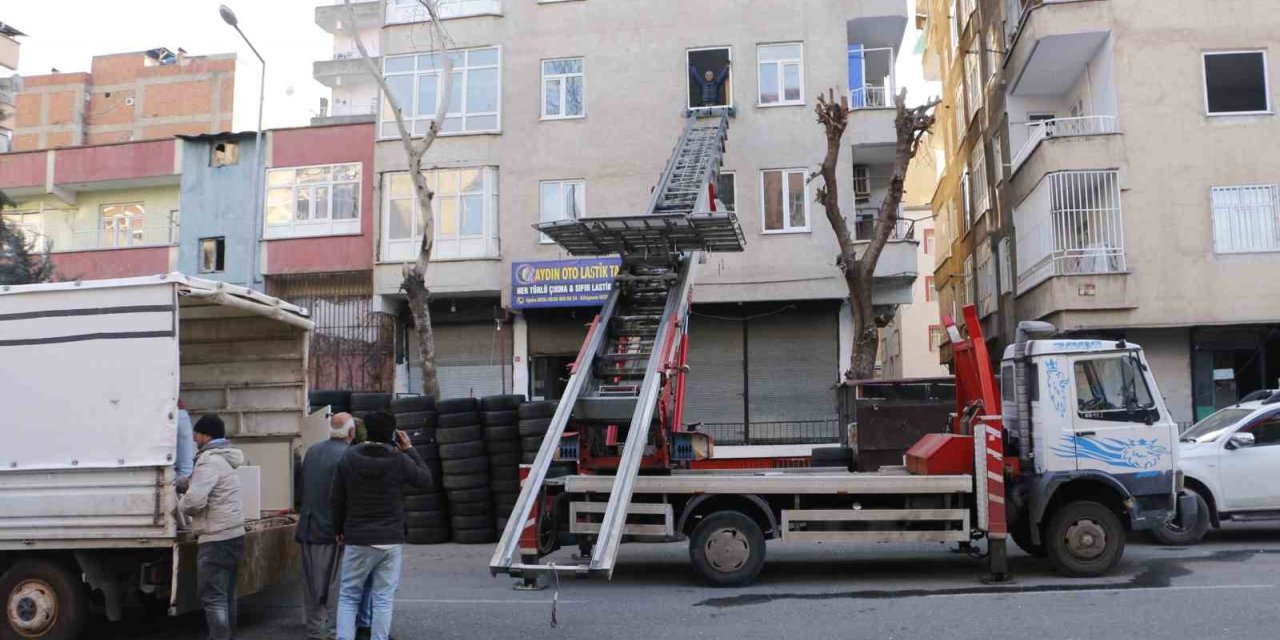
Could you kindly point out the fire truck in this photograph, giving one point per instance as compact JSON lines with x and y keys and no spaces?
{"x":1066,"y":451}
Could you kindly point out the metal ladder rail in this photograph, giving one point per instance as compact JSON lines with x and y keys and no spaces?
{"x":531,"y":488}
{"x":661,"y":187}
{"x":605,"y":552}
{"x":695,"y":162}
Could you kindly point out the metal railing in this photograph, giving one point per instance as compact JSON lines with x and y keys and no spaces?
{"x":357,"y":109}
{"x":1070,"y":224}
{"x":354,"y":54}
{"x":870,"y":97}
{"x":788,"y":432}
{"x":1038,"y":131}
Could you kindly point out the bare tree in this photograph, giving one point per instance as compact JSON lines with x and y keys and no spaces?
{"x":414,"y":282}
{"x":911,"y":124}
{"x":22,"y":259}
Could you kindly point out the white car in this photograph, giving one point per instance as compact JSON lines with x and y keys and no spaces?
{"x":1231,"y":463}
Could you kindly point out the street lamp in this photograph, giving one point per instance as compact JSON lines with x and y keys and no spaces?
{"x":229,"y":17}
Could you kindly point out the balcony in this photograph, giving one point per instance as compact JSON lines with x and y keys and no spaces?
{"x":344,"y":69}
{"x":351,"y":113}
{"x":1039,"y":131}
{"x":331,"y":14}
{"x":1052,"y":41}
{"x":1071,"y":224}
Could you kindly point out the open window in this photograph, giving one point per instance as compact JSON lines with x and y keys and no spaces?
{"x":213,"y":252}
{"x":225,"y":153}
{"x":710,"y":77}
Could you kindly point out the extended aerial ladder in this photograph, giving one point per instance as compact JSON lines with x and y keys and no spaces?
{"x":633,"y":354}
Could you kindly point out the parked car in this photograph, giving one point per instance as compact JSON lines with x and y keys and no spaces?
{"x":1231,"y":463}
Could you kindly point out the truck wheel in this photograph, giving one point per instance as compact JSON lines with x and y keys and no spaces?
{"x":43,"y":600}
{"x":727,"y":548}
{"x":1021,"y":534}
{"x":1172,"y":534}
{"x":1084,"y":539}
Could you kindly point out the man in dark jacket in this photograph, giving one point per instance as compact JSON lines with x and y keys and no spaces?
{"x":320,"y":551}
{"x":368,"y":517}
{"x":709,"y":83}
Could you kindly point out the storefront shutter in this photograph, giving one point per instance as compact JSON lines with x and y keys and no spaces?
{"x":715,"y":384}
{"x":791,"y":365}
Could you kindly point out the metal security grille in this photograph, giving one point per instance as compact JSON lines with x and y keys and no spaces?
{"x":1245,"y":219}
{"x":353,"y":345}
{"x":1070,"y":224}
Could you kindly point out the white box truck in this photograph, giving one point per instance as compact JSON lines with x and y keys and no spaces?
{"x":91,"y":374}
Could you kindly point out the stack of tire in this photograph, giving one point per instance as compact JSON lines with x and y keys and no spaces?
{"x":464,"y":462}
{"x":363,"y":404}
{"x":339,"y":401}
{"x":500,"y":417}
{"x":535,"y":419}
{"x":426,"y":510}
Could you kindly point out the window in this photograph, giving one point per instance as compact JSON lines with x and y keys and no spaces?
{"x":1235,"y":82}
{"x":313,"y":201}
{"x":710,"y":81}
{"x":1113,"y":390}
{"x":561,"y":200}
{"x":929,"y":242}
{"x":1005,"y":249}
{"x":957,"y":111}
{"x":727,"y":190}
{"x":987,"y":297}
{"x":997,"y":159}
{"x":414,"y":80}
{"x":225,"y":153}
{"x":929,"y":294}
{"x":30,"y":223}
{"x":212,"y":255}
{"x":122,"y":225}
{"x":993,"y":53}
{"x":465,"y":216}
{"x":562,"y":95}
{"x":1266,"y":432}
{"x":405,"y":11}
{"x":937,"y":337}
{"x":786,"y":207}
{"x":861,"y":183}
{"x":1245,"y":218}
{"x":973,"y":84}
{"x":953,"y":18}
{"x":967,"y":296}
{"x":781,"y":74}
{"x":978,"y":180}
{"x":966,"y":210}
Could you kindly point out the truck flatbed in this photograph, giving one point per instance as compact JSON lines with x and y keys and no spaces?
{"x":780,"y":481}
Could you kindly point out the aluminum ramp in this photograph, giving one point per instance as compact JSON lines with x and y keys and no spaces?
{"x":619,"y":371}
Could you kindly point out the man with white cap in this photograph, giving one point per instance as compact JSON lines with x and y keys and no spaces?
{"x":320,"y":552}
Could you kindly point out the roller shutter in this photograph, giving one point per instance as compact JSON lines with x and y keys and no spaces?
{"x":791,"y":365}
{"x":714,"y":387}
{"x":472,"y":359}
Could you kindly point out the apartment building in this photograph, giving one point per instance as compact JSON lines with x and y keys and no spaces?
{"x":570,"y":109}
{"x":10,"y":82}
{"x":1103,"y":175}
{"x":353,"y":94}
{"x":141,"y":95}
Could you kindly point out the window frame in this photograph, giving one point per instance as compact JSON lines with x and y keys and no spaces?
{"x":312,"y":227}
{"x":930,"y":244}
{"x":564,"y":84}
{"x":937,"y":337}
{"x":780,"y":74}
{"x":1128,"y":415}
{"x":1224,"y":246}
{"x":733,"y":175}
{"x":930,"y":295}
{"x":416,"y":74}
{"x":140,"y":232}
{"x":865,"y":171}
{"x":219,"y":242}
{"x":786,"y":192}
{"x":390,"y":249}
{"x":580,"y":183}
{"x":1266,"y":82}
{"x":727,"y":88}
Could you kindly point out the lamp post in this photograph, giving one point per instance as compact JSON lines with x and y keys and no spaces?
{"x":229,"y":17}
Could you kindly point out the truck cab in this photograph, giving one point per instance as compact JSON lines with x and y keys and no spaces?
{"x":1085,"y":417}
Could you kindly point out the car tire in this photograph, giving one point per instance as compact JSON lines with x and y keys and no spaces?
{"x":531,"y":443}
{"x":426,"y":519}
{"x":422,"y":437}
{"x":484,"y":535}
{"x":466,"y":481}
{"x":51,"y":593}
{"x":727,"y":549}
{"x":462,"y":450}
{"x":832,"y":457}
{"x":500,"y":418}
{"x":455,"y":435}
{"x":457,"y":509}
{"x":478,"y":521}
{"x":503,"y":446}
{"x":1173,"y":535}
{"x":539,"y":409}
{"x":528,"y":457}
{"x":330,"y":398}
{"x":424,"y":502}
{"x":452,"y":420}
{"x":369,"y":402}
{"x":457,"y":405}
{"x":466,"y":466}
{"x":534,"y":427}
{"x":509,"y":461}
{"x":475,"y":494}
{"x":501,"y":402}
{"x":504,"y":485}
{"x":411,"y":404}
{"x":501,"y":432}
{"x":1084,"y":539}
{"x":432,"y":535}
{"x":415,"y":420}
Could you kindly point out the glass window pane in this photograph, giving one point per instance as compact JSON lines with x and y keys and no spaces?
{"x":428,"y":61}
{"x":795,"y":191}
{"x":472,"y":215}
{"x":791,"y":82}
{"x":401,"y":185}
{"x":482,"y":91}
{"x":470,"y":181}
{"x":279,"y":205}
{"x":768,"y":83}
{"x":401,"y":219}
{"x":279,"y":177}
{"x":393,"y":64}
{"x":1236,"y":82}
{"x":455,"y":93}
{"x":551,"y":202}
{"x":551,"y":97}
{"x":772,"y":200}
{"x":313,"y":174}
{"x":780,"y":52}
{"x":482,"y":123}
{"x":573,"y":96}
{"x":572,"y":65}
{"x":402,"y":90}
{"x":446,"y":217}
{"x":481,"y":57}
{"x":322,"y":203}
{"x":346,"y":172}
{"x":573,"y":200}
{"x":452,"y":125}
{"x":427,"y":95}
{"x":345,"y":202}
{"x":302,"y":205}
{"x":448,"y":185}
{"x":458,"y":58}
{"x":726,"y":191}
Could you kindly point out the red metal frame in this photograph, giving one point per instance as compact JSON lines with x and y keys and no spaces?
{"x":975,"y":383}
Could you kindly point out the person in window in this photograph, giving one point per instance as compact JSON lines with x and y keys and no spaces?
{"x":709,"y":84}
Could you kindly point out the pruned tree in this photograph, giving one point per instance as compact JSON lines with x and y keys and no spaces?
{"x":911,"y":124}
{"x":22,"y":259}
{"x":414,"y":281}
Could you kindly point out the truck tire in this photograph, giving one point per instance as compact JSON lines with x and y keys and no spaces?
{"x":1174,"y":535}
{"x":501,"y":432}
{"x":42,"y":599}
{"x":507,"y":460}
{"x":462,"y":450}
{"x":532,"y":444}
{"x":480,"y":521}
{"x":1084,"y":539}
{"x":460,"y":466}
{"x":424,"y":502}
{"x":415,"y":420}
{"x":372,"y":401}
{"x":727,"y":549}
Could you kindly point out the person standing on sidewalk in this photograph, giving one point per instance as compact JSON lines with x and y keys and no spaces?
{"x":320,"y":551}
{"x":369,"y":518}
{"x":212,"y":500}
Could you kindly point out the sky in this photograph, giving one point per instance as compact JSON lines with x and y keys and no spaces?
{"x":67,"y":34}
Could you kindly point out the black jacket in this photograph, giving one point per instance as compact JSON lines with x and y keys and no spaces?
{"x":319,"y":466}
{"x":368,"y":500}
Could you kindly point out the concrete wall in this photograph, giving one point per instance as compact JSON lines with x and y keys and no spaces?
{"x":218,"y":201}
{"x":1169,"y":356}
{"x":635,"y":91}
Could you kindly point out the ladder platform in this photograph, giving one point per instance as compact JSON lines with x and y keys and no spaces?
{"x":653,"y":235}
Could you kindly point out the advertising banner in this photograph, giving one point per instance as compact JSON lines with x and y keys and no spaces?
{"x":584,"y":282}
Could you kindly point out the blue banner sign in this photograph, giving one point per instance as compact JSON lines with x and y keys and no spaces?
{"x":562,"y":283}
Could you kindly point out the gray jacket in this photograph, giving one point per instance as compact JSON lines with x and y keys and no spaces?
{"x":315,"y":521}
{"x":213,"y":497}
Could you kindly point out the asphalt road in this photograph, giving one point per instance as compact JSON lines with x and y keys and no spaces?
{"x":1227,"y":587}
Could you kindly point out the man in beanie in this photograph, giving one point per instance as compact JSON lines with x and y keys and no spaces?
{"x":212,"y":500}
{"x":320,"y":551}
{"x":368,"y":517}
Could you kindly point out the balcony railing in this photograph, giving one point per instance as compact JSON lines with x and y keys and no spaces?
{"x":872,"y":76}
{"x":1038,"y":131}
{"x":1071,"y":224}
{"x":354,"y":54}
{"x":869,"y":97}
{"x":354,"y":109}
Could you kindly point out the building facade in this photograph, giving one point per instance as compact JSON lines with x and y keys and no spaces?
{"x":1106,"y":173}
{"x":546,"y":123}
{"x":9,"y":83}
